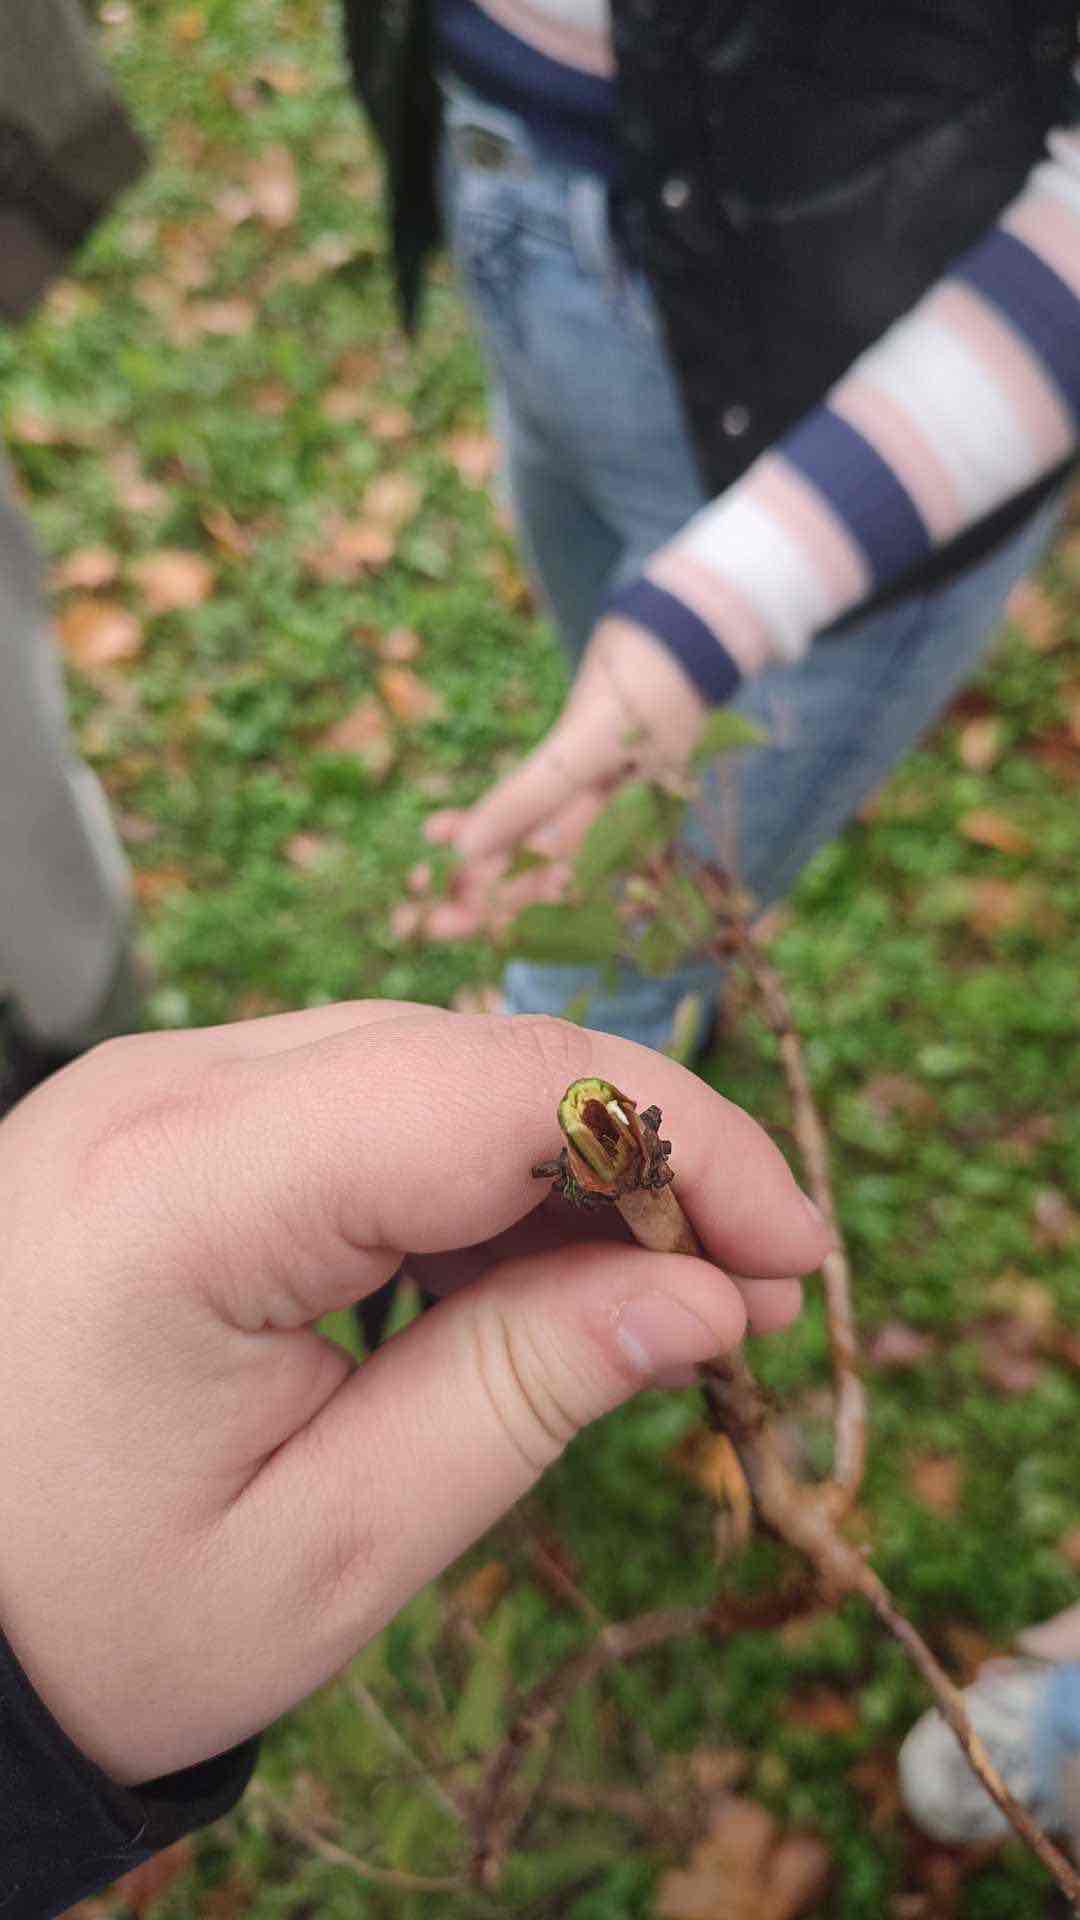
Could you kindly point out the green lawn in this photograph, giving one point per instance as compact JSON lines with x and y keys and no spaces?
{"x":224,"y":377}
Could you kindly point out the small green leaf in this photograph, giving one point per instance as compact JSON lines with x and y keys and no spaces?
{"x":567,"y":936}
{"x":663,"y":947}
{"x":637,"y":821}
{"x":725,"y":730}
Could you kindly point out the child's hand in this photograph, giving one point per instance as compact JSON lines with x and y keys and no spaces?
{"x":205,"y":1507}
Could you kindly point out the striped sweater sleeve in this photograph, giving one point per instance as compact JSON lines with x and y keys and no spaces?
{"x":969,"y":399}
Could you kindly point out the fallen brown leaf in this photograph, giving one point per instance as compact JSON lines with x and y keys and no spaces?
{"x":481,"y":1590}
{"x":823,"y":1711}
{"x":307,"y":851}
{"x":746,"y":1868}
{"x":890,"y":1093}
{"x":400,"y":645}
{"x":979,"y":744}
{"x":99,"y":633}
{"x":173,"y":578}
{"x":392,"y":500}
{"x":226,"y":531}
{"x":999,"y":905}
{"x":1069,"y":1548}
{"x":134,"y":489}
{"x":391,"y":423}
{"x":937,"y":1480}
{"x":283,"y":77}
{"x":406,"y":920}
{"x":473,"y":454}
{"x":274,"y":186}
{"x":988,"y":828}
{"x":1040,"y":618}
{"x":343,"y":404}
{"x":230,"y":319}
{"x":1057,"y":1220}
{"x":155,"y":884}
{"x":87,"y":569}
{"x":410,"y":699}
{"x":351,"y":549}
{"x":898,"y":1347}
{"x":365,"y":732}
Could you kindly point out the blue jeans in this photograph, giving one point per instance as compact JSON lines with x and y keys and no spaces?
{"x":600,"y":472}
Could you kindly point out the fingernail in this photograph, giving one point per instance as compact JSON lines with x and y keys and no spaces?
{"x":658,"y":1333}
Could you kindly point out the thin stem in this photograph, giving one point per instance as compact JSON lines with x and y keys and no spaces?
{"x":810,"y":1135}
{"x":318,"y":1843}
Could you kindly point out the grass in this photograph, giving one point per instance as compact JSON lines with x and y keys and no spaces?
{"x":933,"y":975}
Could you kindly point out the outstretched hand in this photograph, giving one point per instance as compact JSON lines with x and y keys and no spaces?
{"x":631,"y":709}
{"x":206,"y":1507}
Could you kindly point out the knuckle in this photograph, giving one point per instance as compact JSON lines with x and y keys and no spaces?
{"x":524,"y":1399}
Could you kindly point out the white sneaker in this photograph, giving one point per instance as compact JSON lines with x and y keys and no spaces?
{"x":942,"y":1794}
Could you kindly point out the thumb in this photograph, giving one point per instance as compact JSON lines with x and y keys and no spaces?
{"x":455,"y":1419}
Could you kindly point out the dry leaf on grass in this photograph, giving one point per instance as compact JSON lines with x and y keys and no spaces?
{"x":823,"y":1711}
{"x":898,"y":1347}
{"x":391,"y":423}
{"x":406,"y":920}
{"x":351,"y":549}
{"x":481,"y":1590}
{"x":400,"y":645}
{"x":392,"y":500}
{"x":173,"y":578}
{"x":307,"y":851}
{"x":274,"y":186}
{"x":1057,"y":1221}
{"x":365,"y":732}
{"x":99,"y":633}
{"x":410,"y":699}
{"x":230,"y":319}
{"x":999,"y":905}
{"x":155,"y":884}
{"x":87,"y":570}
{"x":343,"y":404}
{"x":133,"y":487}
{"x":988,"y":828}
{"x":473,"y":454}
{"x":746,"y":1868}
{"x":980,"y":742}
{"x":936,"y":1479}
{"x":1040,"y":618}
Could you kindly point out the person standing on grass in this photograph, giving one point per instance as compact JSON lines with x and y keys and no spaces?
{"x":67,"y":975}
{"x":780,"y":302}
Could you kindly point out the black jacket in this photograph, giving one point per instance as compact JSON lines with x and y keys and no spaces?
{"x":792,"y":174}
{"x":66,"y":1830}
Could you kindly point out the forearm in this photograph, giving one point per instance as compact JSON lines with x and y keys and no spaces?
{"x":964,"y":403}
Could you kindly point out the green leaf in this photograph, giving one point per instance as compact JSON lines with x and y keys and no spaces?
{"x":725,"y":730}
{"x":682,"y":901}
{"x":567,"y":936}
{"x":577,"y":1008}
{"x":638,"y":820}
{"x":662,"y":947}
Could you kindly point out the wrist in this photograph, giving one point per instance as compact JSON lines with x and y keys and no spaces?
{"x":687,"y":637}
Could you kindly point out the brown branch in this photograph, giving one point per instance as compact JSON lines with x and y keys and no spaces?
{"x":614,"y":1151}
{"x":805,"y":1517}
{"x":810,"y":1136}
{"x":497,"y":1820}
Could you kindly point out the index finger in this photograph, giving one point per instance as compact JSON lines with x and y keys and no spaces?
{"x":421,"y":1133}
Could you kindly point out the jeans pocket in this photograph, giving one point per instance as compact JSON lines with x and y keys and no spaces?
{"x":484,"y":226}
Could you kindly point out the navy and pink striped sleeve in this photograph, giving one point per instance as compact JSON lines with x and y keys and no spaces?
{"x":969,"y":399}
